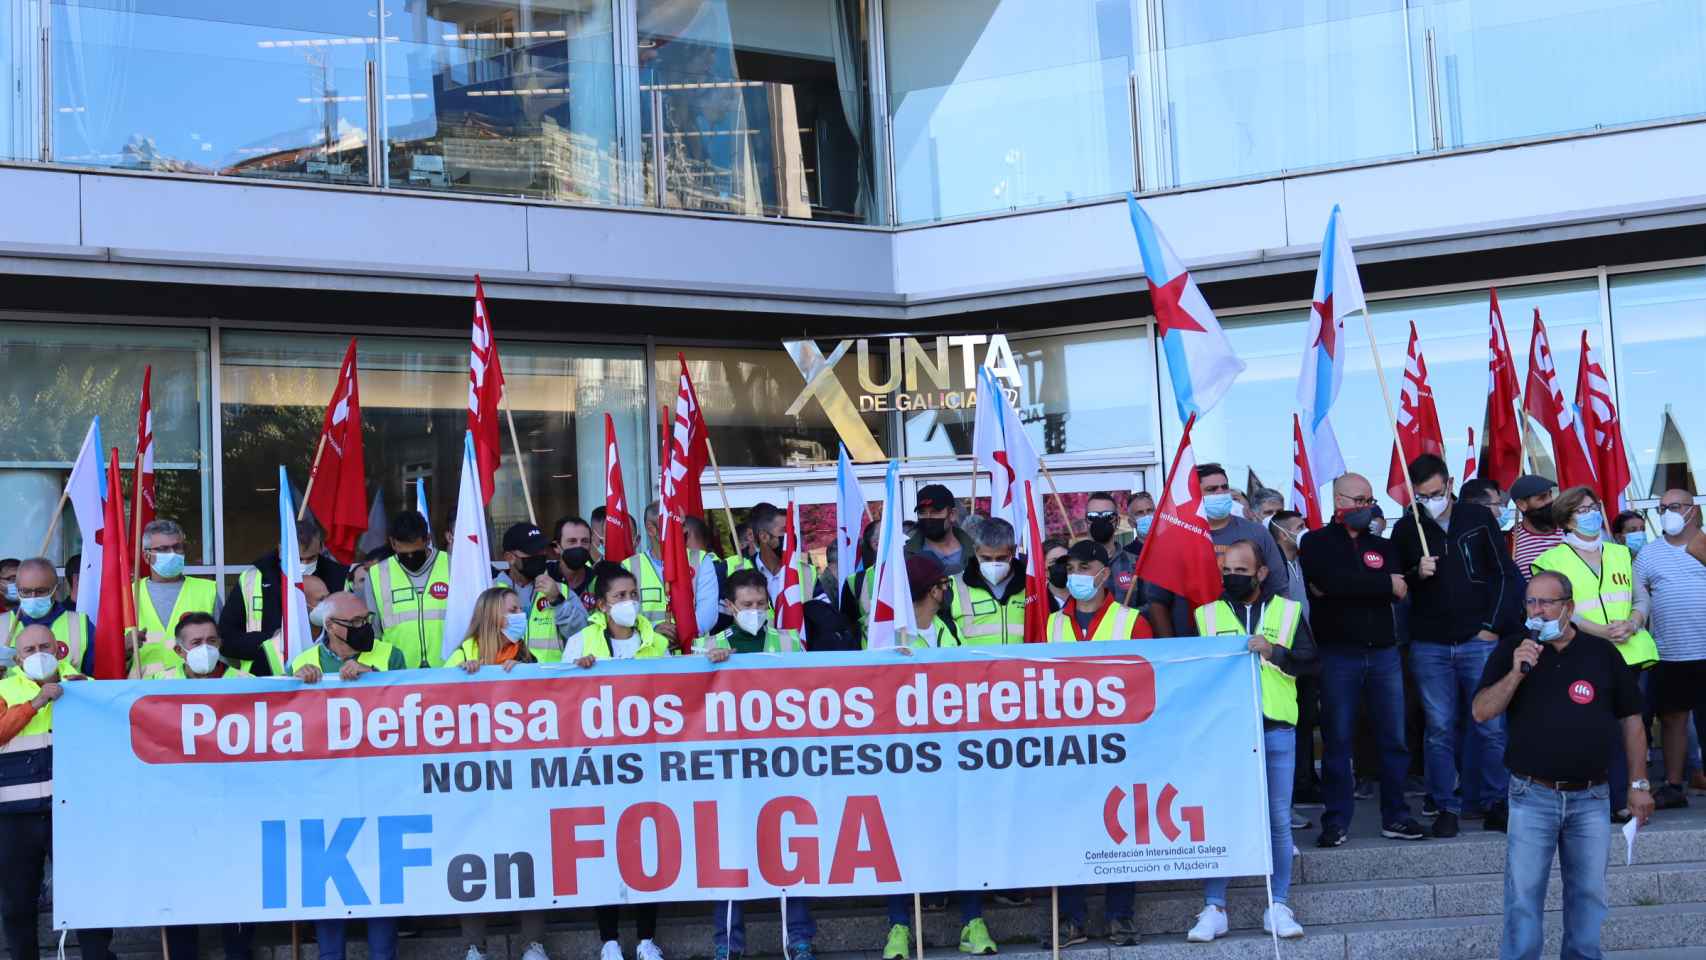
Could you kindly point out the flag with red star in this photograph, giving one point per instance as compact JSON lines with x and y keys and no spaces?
{"x":1199,"y":357}
{"x":1338,"y":294}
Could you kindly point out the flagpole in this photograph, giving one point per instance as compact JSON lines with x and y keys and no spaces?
{"x":53,"y":522}
{"x":971,"y":502}
{"x":1059,"y":503}
{"x":520,"y":463}
{"x":723,"y":492}
{"x":136,"y":571}
{"x":319,"y":451}
{"x":1392,"y":424}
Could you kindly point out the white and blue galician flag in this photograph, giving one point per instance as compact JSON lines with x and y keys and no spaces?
{"x":470,"y":554}
{"x":1338,"y":294}
{"x":294,"y":636}
{"x":892,"y":618}
{"x":86,"y":488}
{"x":1199,"y":358}
{"x":421,"y":503}
{"x":1000,"y":446}
{"x":849,"y":516}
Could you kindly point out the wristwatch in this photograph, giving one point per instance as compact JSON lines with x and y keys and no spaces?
{"x":1640,"y":785}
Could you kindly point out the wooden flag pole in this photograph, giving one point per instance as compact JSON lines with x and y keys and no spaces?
{"x":1060,"y":504}
{"x":319,"y":451}
{"x":520,"y":462}
{"x":53,"y":521}
{"x":918,"y":924}
{"x":165,"y":951}
{"x":1054,"y":927}
{"x":722,"y":491}
{"x":136,"y":571}
{"x":1392,"y":424}
{"x":295,"y":942}
{"x":971,"y":502}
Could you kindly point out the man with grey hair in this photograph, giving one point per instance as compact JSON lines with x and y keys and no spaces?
{"x":989,"y":594}
{"x":166,"y":596}
{"x":1265,"y":504}
{"x":38,"y":585}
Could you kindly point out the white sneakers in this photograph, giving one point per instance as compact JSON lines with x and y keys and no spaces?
{"x":1211,"y":923}
{"x":473,"y":953}
{"x":1279,"y":920}
{"x":647,"y":950}
{"x":534,"y":951}
{"x":612,"y":951}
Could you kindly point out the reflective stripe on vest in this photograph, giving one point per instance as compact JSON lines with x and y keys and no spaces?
{"x":410,"y":620}
{"x":26,"y":761}
{"x":1279,"y":627}
{"x":75,"y":640}
{"x":379,"y":658}
{"x":198,"y":595}
{"x":254,"y":604}
{"x":275,"y":660}
{"x":776,"y":640}
{"x":654,"y":594}
{"x":542,"y":636}
{"x":984,"y":620}
{"x":1606,"y":596}
{"x":1062,"y":629}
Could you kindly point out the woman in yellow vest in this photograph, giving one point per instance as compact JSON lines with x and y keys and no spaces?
{"x":1610,"y":602}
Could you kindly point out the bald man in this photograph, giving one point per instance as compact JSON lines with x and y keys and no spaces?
{"x":347,"y":646}
{"x":1354,"y":579}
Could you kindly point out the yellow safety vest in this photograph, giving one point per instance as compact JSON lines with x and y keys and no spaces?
{"x":198,"y":595}
{"x":1279,"y":627}
{"x":181,"y":673}
{"x":1115,"y":624}
{"x":26,"y":761}
{"x":70,"y":628}
{"x":469,"y":652}
{"x":542,"y":637}
{"x":1606,"y":597}
{"x":379,"y":658}
{"x":776,"y":640}
{"x":254,"y":605}
{"x":591,"y":642}
{"x":654,"y":593}
{"x":986,"y":621}
{"x":410,"y":620}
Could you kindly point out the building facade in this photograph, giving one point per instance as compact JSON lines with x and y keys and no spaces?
{"x":895,"y":191}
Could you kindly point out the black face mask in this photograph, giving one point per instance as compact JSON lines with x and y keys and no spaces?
{"x":1057,"y":575}
{"x":1360,"y":520}
{"x":413,"y":561}
{"x":532,"y":567}
{"x":1237,"y":585}
{"x":577,"y":558}
{"x":868,"y":553}
{"x":1102,"y":529}
{"x":933,"y":528}
{"x":360,"y":639}
{"x":1540,"y":518}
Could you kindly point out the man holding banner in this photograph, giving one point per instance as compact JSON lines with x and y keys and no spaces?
{"x":37,"y":582}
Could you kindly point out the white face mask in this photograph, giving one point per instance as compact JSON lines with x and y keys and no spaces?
{"x":307,"y":567}
{"x":202,"y":660}
{"x":994,"y":571}
{"x":750,"y":620}
{"x":1672,"y":523}
{"x":624,"y":614}
{"x":41,"y":666}
{"x":1437,"y":506}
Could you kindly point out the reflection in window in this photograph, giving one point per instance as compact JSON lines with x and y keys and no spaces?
{"x":511,"y":97}
{"x":1659,"y":321}
{"x":414,"y":399}
{"x":58,"y":377}
{"x":1001,"y":104}
{"x":761,"y":106}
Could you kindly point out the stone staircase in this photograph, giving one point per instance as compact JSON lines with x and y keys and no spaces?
{"x":1371,"y":898}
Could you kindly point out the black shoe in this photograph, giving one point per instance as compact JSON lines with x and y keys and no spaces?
{"x":1445,"y":825}
{"x":1330,"y":837}
{"x":1122,"y":932}
{"x":1307,"y":796}
{"x":1364,"y":790}
{"x":1405,"y":829}
{"x":1669,"y":797}
{"x":1472,"y":813}
{"x":1429,"y":808}
{"x":1498,"y":817}
{"x":1071,"y":935}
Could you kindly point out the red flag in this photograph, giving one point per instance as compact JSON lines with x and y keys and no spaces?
{"x":338,"y":485}
{"x":1469,"y":467}
{"x":1544,"y":400}
{"x":1305,"y":495}
{"x":1504,"y":435}
{"x":1602,"y":429}
{"x":1418,"y":422}
{"x":485,"y":393}
{"x":684,"y":460}
{"x":618,"y":523}
{"x":1036,"y":579}
{"x":118,"y":603}
{"x":690,"y":450}
{"x":1179,"y":554}
{"x":790,"y":605}
{"x":142,"y":473}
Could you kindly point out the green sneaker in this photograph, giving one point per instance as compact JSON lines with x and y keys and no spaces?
{"x":974,"y":938}
{"x":899,"y":946}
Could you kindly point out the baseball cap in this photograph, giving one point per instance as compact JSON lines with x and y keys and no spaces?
{"x":923,"y":572}
{"x":525,"y":538}
{"x":1530,"y":485}
{"x":934,"y":496}
{"x":1085,"y":551}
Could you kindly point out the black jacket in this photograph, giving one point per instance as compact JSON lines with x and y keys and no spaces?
{"x":1475,"y":585}
{"x":1350,"y":588}
{"x":239,"y":643}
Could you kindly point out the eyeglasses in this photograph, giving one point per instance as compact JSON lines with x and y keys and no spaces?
{"x":35,"y":592}
{"x":1676,"y":508}
{"x":355,"y":623}
{"x":1544,"y":601}
{"x":177,"y":548}
{"x":1098,"y":514}
{"x":1357,"y":501}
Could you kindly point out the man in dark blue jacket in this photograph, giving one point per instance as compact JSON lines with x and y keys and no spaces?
{"x":1465,"y":596}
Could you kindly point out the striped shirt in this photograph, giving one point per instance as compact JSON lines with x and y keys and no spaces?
{"x":1529,"y":546}
{"x":1677,"y":583}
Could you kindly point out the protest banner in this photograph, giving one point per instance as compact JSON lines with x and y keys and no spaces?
{"x":435,"y":792}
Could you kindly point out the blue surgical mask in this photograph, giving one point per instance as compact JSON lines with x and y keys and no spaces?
{"x":1507,"y":517}
{"x":1142,"y":524}
{"x":1082,"y":586}
{"x":11,"y":593}
{"x":1590,"y":524}
{"x":1218,"y":506}
{"x":515,"y":625}
{"x":168,"y":565}
{"x":35,"y":607}
{"x":1634,"y":541}
{"x":1544,"y":629}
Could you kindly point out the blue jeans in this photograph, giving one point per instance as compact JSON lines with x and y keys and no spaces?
{"x":1346,"y":678}
{"x":1578,"y":825}
{"x":1280,"y":748}
{"x":729,"y":923}
{"x":381,"y":938}
{"x":900,"y":907}
{"x":1119,"y":900}
{"x":1458,"y":750}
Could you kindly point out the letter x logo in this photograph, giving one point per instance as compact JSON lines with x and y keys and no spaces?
{"x":819,"y":374}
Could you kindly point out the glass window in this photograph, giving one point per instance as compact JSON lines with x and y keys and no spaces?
{"x":1251,"y":428}
{"x":1001,"y":104}
{"x":1077,"y":393}
{"x":59,"y":376}
{"x":1258,"y":88}
{"x":513,"y":97}
{"x":1659,"y":322}
{"x":761,"y":105}
{"x":20,"y":64}
{"x":263,"y":88}
{"x":1523,"y":68}
{"x":414,"y":398}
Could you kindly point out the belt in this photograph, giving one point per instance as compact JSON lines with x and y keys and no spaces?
{"x":1562,"y":786}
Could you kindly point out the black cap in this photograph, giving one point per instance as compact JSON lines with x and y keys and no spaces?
{"x":1530,"y":485}
{"x":923,"y":571}
{"x":934,"y":496}
{"x":525,"y":538}
{"x":1085,"y":551}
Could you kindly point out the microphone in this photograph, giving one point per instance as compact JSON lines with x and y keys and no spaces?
{"x":1535,"y":636}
